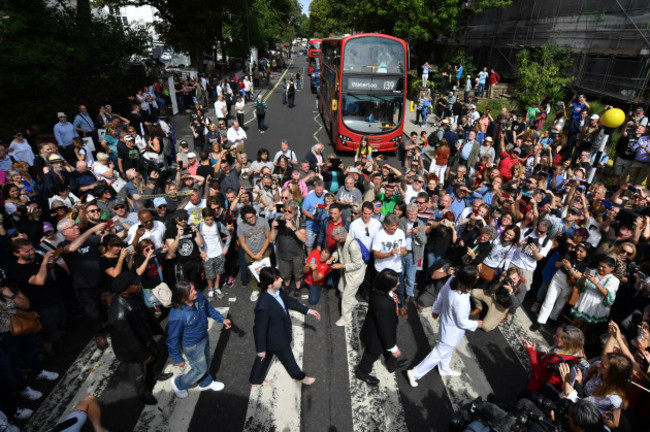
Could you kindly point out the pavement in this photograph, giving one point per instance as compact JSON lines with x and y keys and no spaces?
{"x":491,"y":362}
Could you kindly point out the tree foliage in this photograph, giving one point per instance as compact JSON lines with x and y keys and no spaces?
{"x":413,"y":20}
{"x":194,"y":26}
{"x":54,"y":59}
{"x":541,"y":72}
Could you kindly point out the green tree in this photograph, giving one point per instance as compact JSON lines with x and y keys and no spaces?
{"x":53,"y":63}
{"x":542,"y":72}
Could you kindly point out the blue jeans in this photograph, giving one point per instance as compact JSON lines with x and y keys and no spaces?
{"x":260,"y":122}
{"x":297,"y":85}
{"x":314,"y":293}
{"x":181,"y":102}
{"x":480,"y":90}
{"x":409,"y":268}
{"x":425,"y":113}
{"x":198,"y":358}
{"x":432,"y":258}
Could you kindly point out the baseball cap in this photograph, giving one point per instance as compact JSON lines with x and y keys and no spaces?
{"x":159,"y":201}
{"x":184,"y":143}
{"x":594,"y":117}
{"x":191,"y":155}
{"x":128,"y":138}
{"x":117,"y":202}
{"x":517,"y":150}
{"x":47,"y":227}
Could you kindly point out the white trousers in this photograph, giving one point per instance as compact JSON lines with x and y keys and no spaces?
{"x":554,"y":301}
{"x":439,"y":356}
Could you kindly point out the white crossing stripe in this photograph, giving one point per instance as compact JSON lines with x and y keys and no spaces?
{"x":514,"y":328}
{"x":88,"y":375}
{"x":378,"y":407}
{"x":473,"y":382}
{"x":278,"y":407}
{"x":172,"y":413}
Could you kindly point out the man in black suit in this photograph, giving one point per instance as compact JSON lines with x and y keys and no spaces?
{"x":272,"y":329}
{"x":379,"y":331}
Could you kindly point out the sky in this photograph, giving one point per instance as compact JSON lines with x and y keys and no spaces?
{"x":305,"y":6}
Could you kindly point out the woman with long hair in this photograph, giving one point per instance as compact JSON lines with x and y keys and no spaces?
{"x":188,"y":331}
{"x":568,"y":344}
{"x":452,"y":306}
{"x":272,"y":329}
{"x":379,"y":331}
{"x":363,"y":149}
{"x":503,"y":249}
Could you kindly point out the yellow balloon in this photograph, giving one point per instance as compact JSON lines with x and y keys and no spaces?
{"x":613,"y":118}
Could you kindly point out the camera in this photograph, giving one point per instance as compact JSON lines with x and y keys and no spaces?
{"x":555,"y":366}
{"x":282,"y":223}
{"x":634,"y":268}
{"x":632,"y":189}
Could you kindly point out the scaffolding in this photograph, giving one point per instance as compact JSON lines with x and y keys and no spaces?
{"x":609,"y":39}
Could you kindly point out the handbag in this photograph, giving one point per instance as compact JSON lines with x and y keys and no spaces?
{"x":25,"y":323}
{"x":487,"y":273}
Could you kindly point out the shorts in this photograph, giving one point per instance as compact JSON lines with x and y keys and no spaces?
{"x":292,"y":268}
{"x":622,"y":167}
{"x":311,"y":238}
{"x":214,"y":266}
{"x":73,"y":422}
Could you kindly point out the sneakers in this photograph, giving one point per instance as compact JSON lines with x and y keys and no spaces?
{"x":182,"y":394}
{"x":211,"y":293}
{"x":254,"y":296}
{"x":342,"y":322}
{"x":450,"y":372}
{"x":229,"y":282}
{"x":218,"y":292}
{"x":214,"y":386}
{"x":31,"y":394}
{"x":411,"y":376}
{"x":47,"y":375}
{"x":23,"y":413}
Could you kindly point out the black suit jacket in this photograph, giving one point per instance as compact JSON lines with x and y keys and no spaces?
{"x":379,"y":331}
{"x":272,"y":329}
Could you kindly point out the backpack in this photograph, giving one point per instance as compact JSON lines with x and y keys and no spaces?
{"x":365,"y":253}
{"x":259,"y":108}
{"x":292,"y":89}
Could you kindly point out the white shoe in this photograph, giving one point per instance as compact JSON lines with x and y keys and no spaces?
{"x":218,"y":292}
{"x":47,"y":375}
{"x":450,"y":372}
{"x":211,"y":294}
{"x":182,"y":394}
{"x":254,"y":296}
{"x":411,"y":377}
{"x":23,"y":413}
{"x":214,"y":385}
{"x":343,"y":322}
{"x":31,"y":394}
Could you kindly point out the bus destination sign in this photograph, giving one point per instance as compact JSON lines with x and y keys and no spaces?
{"x":373,"y":83}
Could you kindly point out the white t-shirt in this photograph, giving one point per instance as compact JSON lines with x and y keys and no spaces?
{"x":22,"y":151}
{"x":218,"y":107}
{"x":156,"y":235}
{"x":384,"y":243}
{"x":99,"y":170}
{"x":212,"y":239}
{"x":524,"y":259}
{"x":358,"y":231}
{"x":196,"y":217}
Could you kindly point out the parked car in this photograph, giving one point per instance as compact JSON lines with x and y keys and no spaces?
{"x":315,"y":80}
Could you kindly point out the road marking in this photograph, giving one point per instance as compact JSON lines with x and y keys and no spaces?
{"x":88,"y":375}
{"x":172,"y":413}
{"x":268,"y":95}
{"x":373,"y":407}
{"x":278,"y":407}
{"x":320,"y":127}
{"x":473,"y":382}
{"x":514,"y":328}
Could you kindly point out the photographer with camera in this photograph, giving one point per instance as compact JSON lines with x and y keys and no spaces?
{"x":507,"y":294}
{"x":184,"y":243}
{"x":568,"y":345}
{"x":289,"y":234}
{"x":605,"y":384}
{"x":534,"y":247}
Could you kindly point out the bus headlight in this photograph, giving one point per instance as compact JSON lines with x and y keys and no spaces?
{"x":344,"y":140}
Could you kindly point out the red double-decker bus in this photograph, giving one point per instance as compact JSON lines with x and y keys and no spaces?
{"x":314,"y":55}
{"x":363,"y":90}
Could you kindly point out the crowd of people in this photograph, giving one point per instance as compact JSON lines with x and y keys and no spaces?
{"x":141,"y":224}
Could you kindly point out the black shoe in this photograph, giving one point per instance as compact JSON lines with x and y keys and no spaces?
{"x":534,"y":326}
{"x":148,"y":399}
{"x":399,"y":364}
{"x":368,"y":379}
{"x":164,"y":376}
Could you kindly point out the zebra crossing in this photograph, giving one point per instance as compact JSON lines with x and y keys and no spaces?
{"x":283,"y":406}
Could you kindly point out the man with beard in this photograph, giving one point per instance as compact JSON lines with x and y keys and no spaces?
{"x":57,"y":176}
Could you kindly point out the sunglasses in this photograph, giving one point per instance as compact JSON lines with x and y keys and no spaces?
{"x":541,"y":232}
{"x":148,"y":249}
{"x":625,"y":252}
{"x":355,"y":213}
{"x":119,"y":207}
{"x":284,"y":198}
{"x":92,"y":211}
{"x":162,"y":206}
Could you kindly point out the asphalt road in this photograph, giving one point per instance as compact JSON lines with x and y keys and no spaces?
{"x":491,"y":362}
